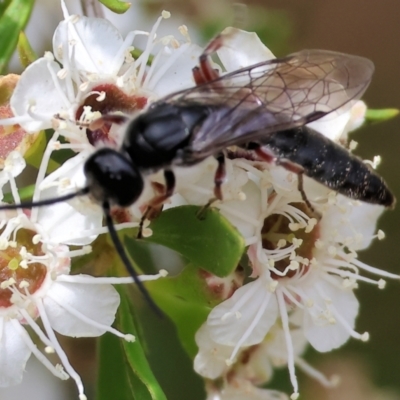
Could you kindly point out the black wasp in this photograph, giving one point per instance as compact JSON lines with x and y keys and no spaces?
{"x":262,"y":109}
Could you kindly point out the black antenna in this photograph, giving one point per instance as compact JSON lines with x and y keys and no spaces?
{"x":122,"y":254}
{"x":45,"y":202}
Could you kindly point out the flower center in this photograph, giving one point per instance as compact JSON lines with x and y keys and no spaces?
{"x":12,"y":266}
{"x":115,"y":100}
{"x":279,"y":234}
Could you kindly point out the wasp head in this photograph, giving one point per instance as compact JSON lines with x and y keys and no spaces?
{"x":111,"y":177}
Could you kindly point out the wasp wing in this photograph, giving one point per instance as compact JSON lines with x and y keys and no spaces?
{"x":275,"y":95}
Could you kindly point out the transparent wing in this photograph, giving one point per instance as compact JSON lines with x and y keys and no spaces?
{"x":275,"y":95}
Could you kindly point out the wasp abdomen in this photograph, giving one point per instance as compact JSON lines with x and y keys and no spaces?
{"x":330,"y":164}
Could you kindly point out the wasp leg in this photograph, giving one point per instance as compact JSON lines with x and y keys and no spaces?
{"x":99,"y":122}
{"x":299,"y":171}
{"x":107,"y":119}
{"x":155,"y":205}
{"x":263,"y":153}
{"x":205,"y":72}
{"x":219,"y":178}
{"x":267,"y":155}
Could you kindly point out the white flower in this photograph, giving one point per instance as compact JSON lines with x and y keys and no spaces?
{"x":35,"y":267}
{"x":210,"y":361}
{"x":305,"y":269}
{"x":98,"y":75}
{"x":36,"y":284}
{"x":243,"y":390}
{"x":315,"y":274}
{"x":253,"y":364}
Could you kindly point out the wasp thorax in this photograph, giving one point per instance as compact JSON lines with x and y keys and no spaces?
{"x":17,"y":271}
{"x":294,"y":240}
{"x":112,"y":178}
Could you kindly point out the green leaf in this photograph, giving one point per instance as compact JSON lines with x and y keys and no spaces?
{"x":117,"y":6}
{"x":187,"y":300}
{"x":26,"y":54}
{"x":381,"y":115}
{"x":136,"y":53}
{"x":112,"y":375}
{"x":210,"y":243}
{"x":144,"y":383}
{"x":34,"y":154}
{"x":24,"y":193}
{"x":3,"y":6}
{"x":12,"y":22}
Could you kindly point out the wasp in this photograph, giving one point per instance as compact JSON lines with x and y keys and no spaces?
{"x":262,"y":108}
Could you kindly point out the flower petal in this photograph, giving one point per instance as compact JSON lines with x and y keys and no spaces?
{"x":244,"y":390}
{"x":244,"y":214}
{"x":14,"y":354}
{"x":173,"y":70}
{"x":210,"y":361}
{"x":246,"y":317}
{"x":346,"y":220}
{"x":241,"y":49}
{"x":73,"y":222}
{"x":321,"y":326}
{"x":36,"y":91}
{"x":91,"y":44}
{"x":98,"y":303}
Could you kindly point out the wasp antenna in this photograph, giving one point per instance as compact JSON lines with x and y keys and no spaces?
{"x":123,"y":256}
{"x":45,"y":202}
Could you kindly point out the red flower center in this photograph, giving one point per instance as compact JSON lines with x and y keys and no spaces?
{"x":115,"y":101}
{"x":10,"y":259}
{"x":276,"y":227}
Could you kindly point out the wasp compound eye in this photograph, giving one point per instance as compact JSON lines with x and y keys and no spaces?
{"x":112,"y":177}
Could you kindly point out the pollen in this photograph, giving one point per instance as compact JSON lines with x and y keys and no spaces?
{"x":16,"y":269}
{"x":365,"y":337}
{"x":377,"y":160}
{"x":272,"y":285}
{"x":129,"y":338}
{"x":353,"y":145}
{"x":13,"y":264}
{"x":381,"y":284}
{"x":229,"y":362}
{"x":241,"y":196}
{"x":3,"y":243}
{"x":62,"y":73}
{"x":281,"y":243}
{"x":83,"y":86}
{"x":309,"y":303}
{"x":294,"y":266}
{"x":49,"y":350}
{"x":147,"y":232}
{"x":288,"y":240}
{"x":23,"y":284}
